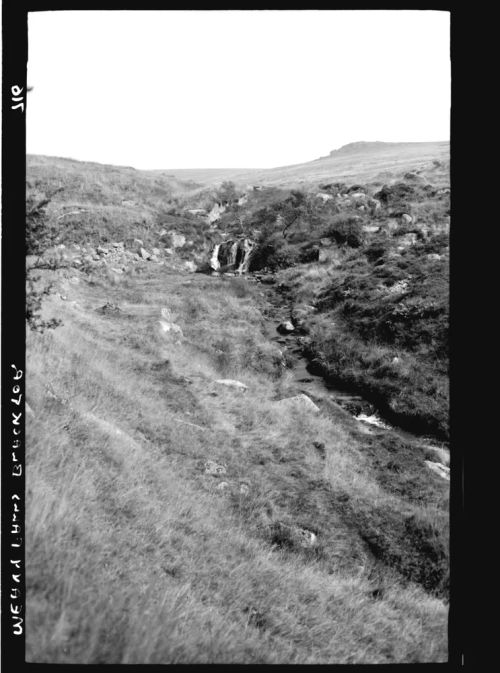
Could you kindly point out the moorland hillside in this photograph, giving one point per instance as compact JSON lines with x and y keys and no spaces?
{"x":185,"y":502}
{"x":361,"y":161}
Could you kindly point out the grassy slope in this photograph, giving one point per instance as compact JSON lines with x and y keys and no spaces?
{"x":135,"y":556}
{"x":354,"y":163}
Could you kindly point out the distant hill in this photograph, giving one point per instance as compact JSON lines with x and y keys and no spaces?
{"x":356,"y":161}
{"x":359,"y":161}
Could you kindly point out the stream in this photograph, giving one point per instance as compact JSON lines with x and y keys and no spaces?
{"x":324,"y":394}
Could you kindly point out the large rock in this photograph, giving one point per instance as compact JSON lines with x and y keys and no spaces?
{"x":216,"y":212}
{"x":178,"y":240}
{"x":300,"y":401}
{"x":291,"y":536}
{"x":285,"y":327}
{"x":231,"y":383}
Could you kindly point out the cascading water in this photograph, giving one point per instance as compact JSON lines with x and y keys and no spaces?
{"x":232,"y":256}
{"x":214,"y":260}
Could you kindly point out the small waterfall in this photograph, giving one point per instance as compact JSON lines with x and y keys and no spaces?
{"x":214,"y":260}
{"x":245,"y":249}
{"x":232,"y":255}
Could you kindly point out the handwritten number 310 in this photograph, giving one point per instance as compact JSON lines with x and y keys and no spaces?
{"x":17,"y":98}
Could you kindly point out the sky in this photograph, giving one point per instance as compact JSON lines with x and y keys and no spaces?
{"x":242,"y":89}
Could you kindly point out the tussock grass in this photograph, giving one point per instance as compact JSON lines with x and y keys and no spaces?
{"x":134,"y":556}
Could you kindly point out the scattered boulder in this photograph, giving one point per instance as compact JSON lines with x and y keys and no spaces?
{"x":222,"y":486}
{"x":406,"y":219}
{"x":178,"y":240}
{"x":168,"y":326}
{"x":231,"y":383}
{"x":293,"y":537}
{"x":215,"y":213}
{"x":330,"y":255}
{"x":300,"y":401}
{"x":285,"y":327}
{"x":213,"y":468}
{"x":190,"y":266}
{"x":399,"y":287}
{"x":109,"y":308}
{"x":144,"y":254}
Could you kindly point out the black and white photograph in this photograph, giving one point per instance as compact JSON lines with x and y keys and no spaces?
{"x":235,"y":391}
